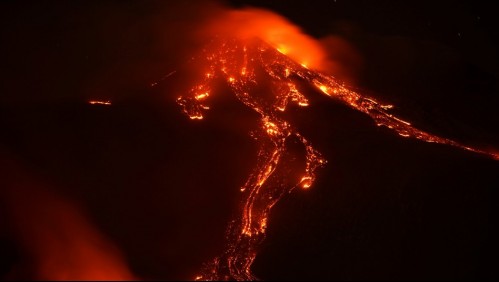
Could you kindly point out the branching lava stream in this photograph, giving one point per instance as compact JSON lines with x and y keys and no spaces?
{"x":237,"y":62}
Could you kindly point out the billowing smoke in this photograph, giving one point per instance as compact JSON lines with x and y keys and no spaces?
{"x":57,"y":241}
{"x":276,"y":30}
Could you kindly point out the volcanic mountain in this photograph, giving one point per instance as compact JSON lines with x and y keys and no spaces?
{"x":151,"y":177}
{"x":266,"y":81}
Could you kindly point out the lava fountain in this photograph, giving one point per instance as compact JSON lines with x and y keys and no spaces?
{"x":241,"y":51}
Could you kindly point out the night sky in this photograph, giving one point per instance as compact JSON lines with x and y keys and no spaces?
{"x":162,"y":188}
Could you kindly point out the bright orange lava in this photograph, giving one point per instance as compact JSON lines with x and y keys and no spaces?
{"x":99,"y":102}
{"x":237,"y":60}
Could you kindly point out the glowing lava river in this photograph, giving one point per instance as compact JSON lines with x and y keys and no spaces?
{"x":242,"y":63}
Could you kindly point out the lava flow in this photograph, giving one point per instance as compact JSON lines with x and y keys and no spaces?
{"x":99,"y":102}
{"x":241,"y":62}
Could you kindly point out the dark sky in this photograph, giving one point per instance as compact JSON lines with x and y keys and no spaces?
{"x":163,"y":188}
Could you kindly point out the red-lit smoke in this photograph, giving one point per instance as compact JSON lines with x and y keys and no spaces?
{"x":272,"y":28}
{"x":57,"y":241}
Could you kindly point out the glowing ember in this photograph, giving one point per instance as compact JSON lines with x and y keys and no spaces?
{"x":98,"y":102}
{"x":236,"y":61}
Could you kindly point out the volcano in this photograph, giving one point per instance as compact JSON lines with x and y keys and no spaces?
{"x":327,"y":193}
{"x":245,"y":65}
